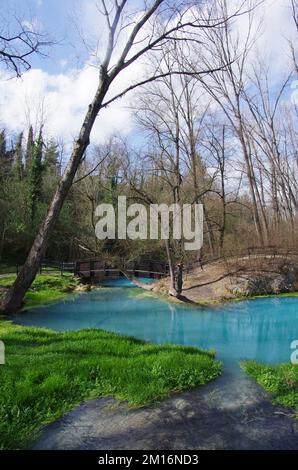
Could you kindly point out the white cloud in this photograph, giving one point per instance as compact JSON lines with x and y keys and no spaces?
{"x":63,"y":100}
{"x":64,"y":97}
{"x":279,"y":30}
{"x":33,"y":25}
{"x":276,"y":29}
{"x":63,"y":62}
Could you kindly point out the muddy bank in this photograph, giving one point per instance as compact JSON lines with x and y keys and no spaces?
{"x":237,"y":278}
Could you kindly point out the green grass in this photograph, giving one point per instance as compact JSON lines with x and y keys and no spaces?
{"x":47,"y":373}
{"x":46,"y":288}
{"x":280,"y":381}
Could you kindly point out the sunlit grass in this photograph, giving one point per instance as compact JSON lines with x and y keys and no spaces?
{"x":47,"y":373}
{"x":281,"y":381}
{"x":45,"y":289}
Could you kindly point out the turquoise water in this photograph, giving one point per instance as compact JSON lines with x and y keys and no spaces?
{"x":260,"y":329}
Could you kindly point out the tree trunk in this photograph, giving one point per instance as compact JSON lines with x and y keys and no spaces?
{"x":179,"y":278}
{"x":172,"y":290}
{"x":251,"y":181}
{"x":209,"y":232}
{"x":222,"y":229}
{"x":13,"y":299}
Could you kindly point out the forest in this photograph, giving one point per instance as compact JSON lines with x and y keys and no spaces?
{"x":225,"y":137}
{"x":174,"y":332}
{"x":235,"y":152}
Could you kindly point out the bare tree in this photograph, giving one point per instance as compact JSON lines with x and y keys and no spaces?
{"x":216,"y":145}
{"x":158,"y":112}
{"x":270,"y":142}
{"x":18,"y":43}
{"x":294,"y":4}
{"x":171,"y":113}
{"x":160,"y":22}
{"x":227,"y":87}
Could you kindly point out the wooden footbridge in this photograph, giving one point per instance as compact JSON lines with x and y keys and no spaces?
{"x":91,"y":270}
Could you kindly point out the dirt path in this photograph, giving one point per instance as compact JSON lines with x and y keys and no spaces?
{"x":234,"y":278}
{"x":200,"y":286}
{"x":230,"y":413}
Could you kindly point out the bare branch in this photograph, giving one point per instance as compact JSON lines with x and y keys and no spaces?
{"x":15,"y":49}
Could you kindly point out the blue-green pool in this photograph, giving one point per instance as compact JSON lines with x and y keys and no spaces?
{"x":260,"y":329}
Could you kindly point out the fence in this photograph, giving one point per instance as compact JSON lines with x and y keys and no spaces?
{"x":89,"y":269}
{"x":153,"y":268}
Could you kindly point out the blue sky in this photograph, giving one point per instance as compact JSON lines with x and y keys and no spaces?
{"x":57,"y":19}
{"x":58,"y":89}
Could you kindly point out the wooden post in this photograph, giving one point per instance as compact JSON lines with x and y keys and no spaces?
{"x":92,"y":272}
{"x":75,"y":268}
{"x":150,"y":269}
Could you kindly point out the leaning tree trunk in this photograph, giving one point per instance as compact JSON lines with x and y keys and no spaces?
{"x":12,"y":301}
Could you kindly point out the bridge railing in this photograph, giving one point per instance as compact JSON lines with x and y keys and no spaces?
{"x":48,"y":265}
{"x":99,"y":268}
{"x":251,"y":252}
{"x":155,"y":268}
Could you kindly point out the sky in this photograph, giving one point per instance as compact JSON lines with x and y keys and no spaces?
{"x":60,"y":86}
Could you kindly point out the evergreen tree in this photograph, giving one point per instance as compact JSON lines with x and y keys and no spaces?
{"x":29,"y":149}
{"x":2,"y":144}
{"x":35,"y":176}
{"x":18,"y":158}
{"x":2,"y":152}
{"x":6,"y":156}
{"x":51,"y":158}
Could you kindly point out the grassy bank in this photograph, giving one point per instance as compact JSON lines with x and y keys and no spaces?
{"x":266,"y":296}
{"x":209,"y":303}
{"x":45,"y":289}
{"x":47,"y":373}
{"x":280,"y":381}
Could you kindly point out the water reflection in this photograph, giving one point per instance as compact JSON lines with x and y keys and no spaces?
{"x":261,"y":329}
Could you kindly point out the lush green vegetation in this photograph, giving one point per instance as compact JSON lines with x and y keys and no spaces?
{"x":47,"y":373}
{"x":45,"y":289}
{"x":281,"y":381}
